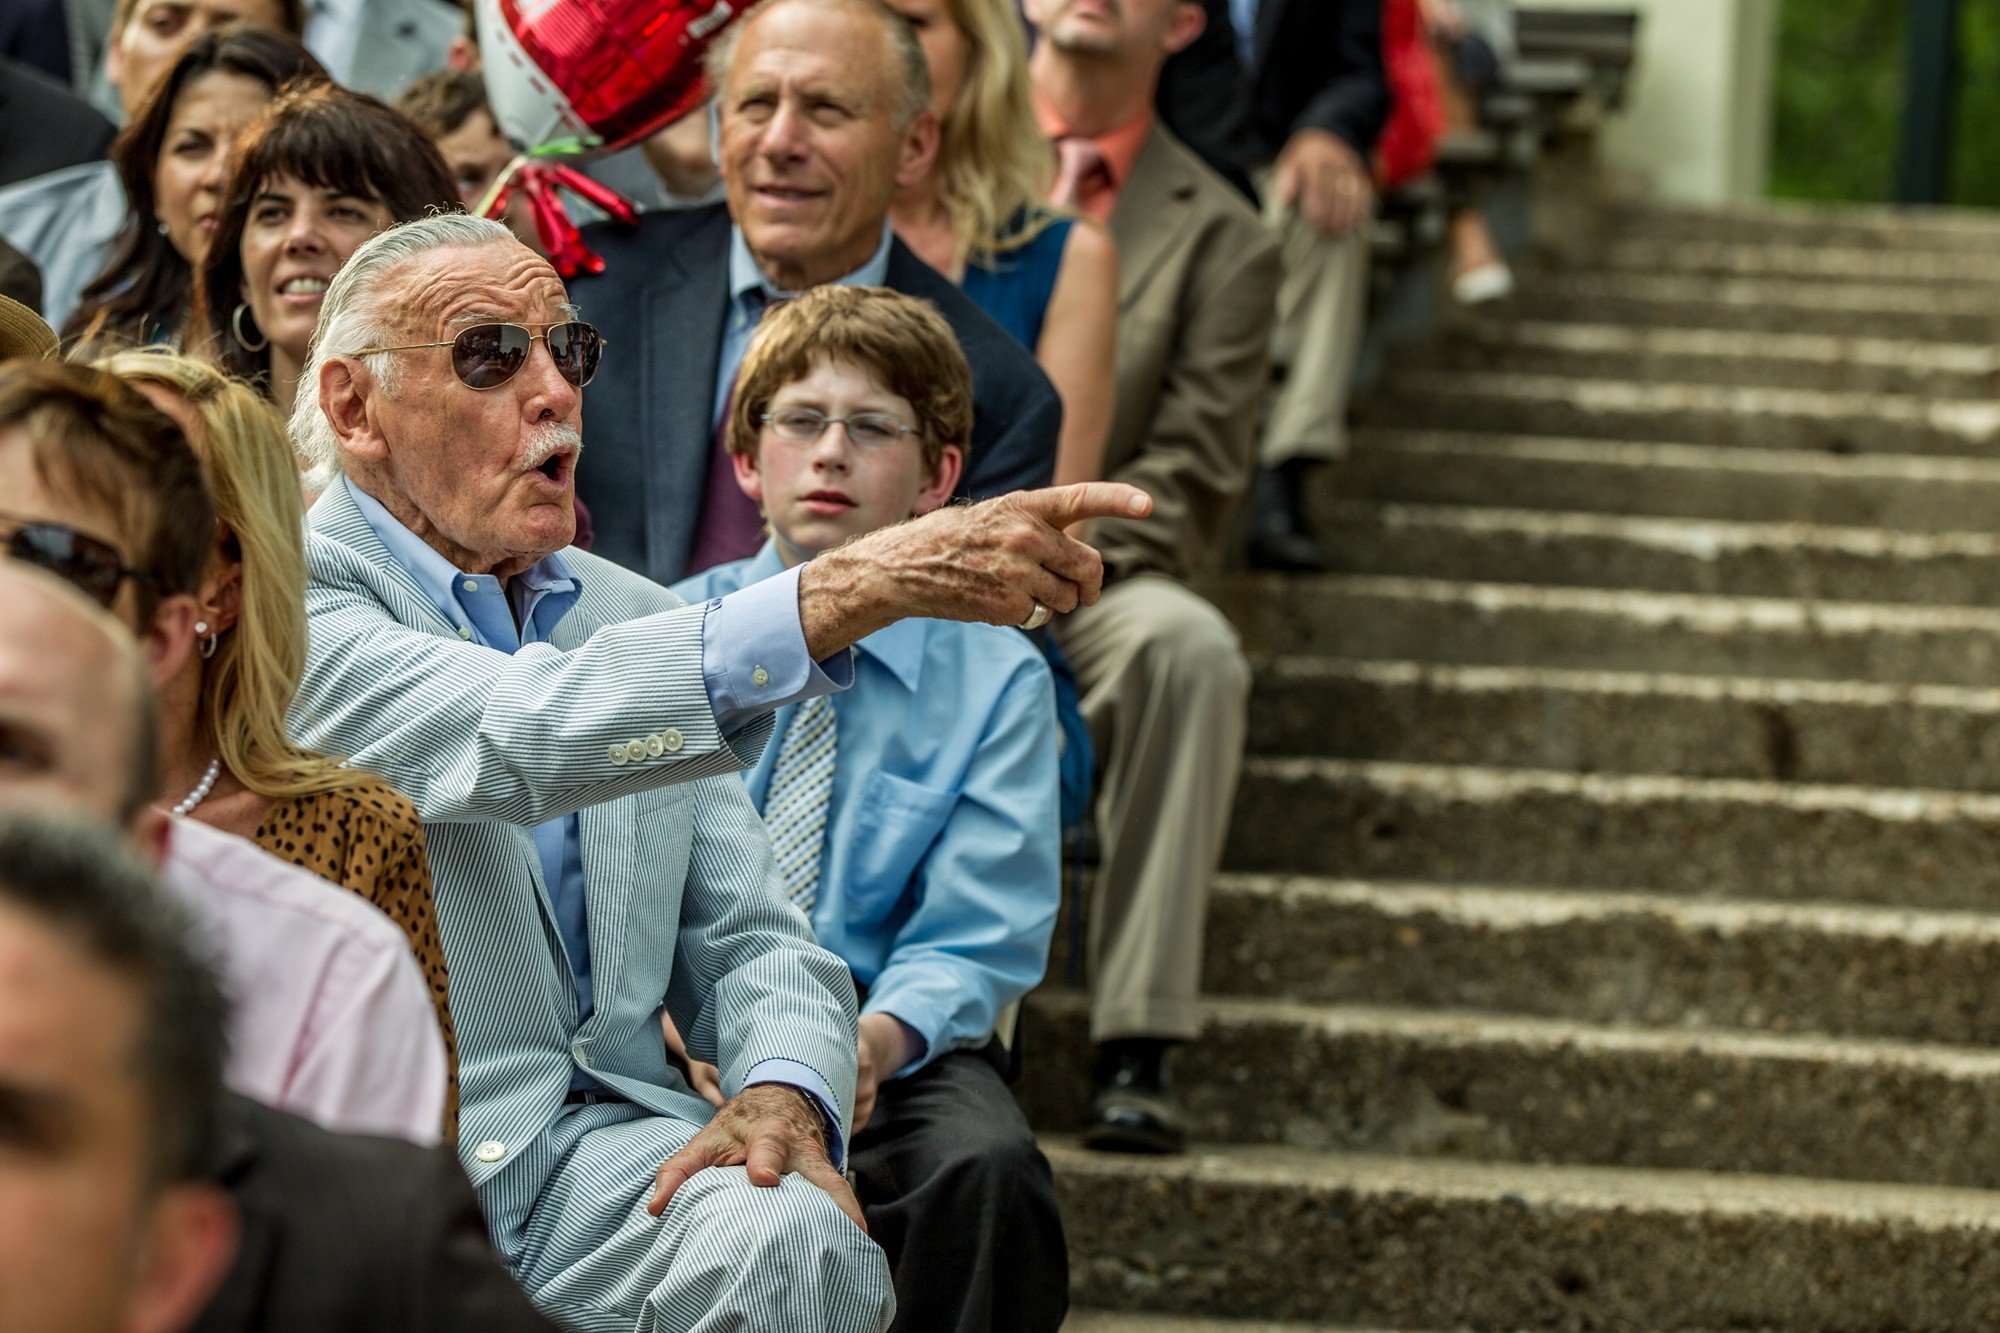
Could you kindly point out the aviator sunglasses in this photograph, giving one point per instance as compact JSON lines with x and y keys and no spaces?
{"x":84,"y":562}
{"x":486,"y":356}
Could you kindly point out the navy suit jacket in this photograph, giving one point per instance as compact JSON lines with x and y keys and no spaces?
{"x":660,"y":304}
{"x":1314,"y":63}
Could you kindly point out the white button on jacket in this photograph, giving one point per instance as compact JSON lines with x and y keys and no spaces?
{"x":490,"y":1151}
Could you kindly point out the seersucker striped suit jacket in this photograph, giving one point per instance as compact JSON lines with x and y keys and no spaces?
{"x":680,"y":898}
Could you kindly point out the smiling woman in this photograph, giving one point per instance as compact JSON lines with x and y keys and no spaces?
{"x":172,"y":160}
{"x":321,"y":171}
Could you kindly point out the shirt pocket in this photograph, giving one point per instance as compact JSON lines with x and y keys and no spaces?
{"x":895,"y":823}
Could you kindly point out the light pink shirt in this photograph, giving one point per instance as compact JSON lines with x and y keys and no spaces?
{"x":331,"y":1019}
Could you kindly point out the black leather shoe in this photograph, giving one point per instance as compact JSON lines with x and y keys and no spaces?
{"x":1135,"y":1109}
{"x":1281,"y":535}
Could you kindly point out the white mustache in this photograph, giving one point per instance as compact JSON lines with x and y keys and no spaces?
{"x":550,"y":438}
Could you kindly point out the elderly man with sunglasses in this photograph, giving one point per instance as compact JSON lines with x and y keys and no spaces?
{"x":569,"y":732}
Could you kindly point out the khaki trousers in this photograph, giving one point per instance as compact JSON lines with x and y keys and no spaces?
{"x":1322,"y":304}
{"x":1165,"y":692}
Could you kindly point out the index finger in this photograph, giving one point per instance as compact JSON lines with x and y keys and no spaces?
{"x":675,"y":1172}
{"x":1060,"y":506}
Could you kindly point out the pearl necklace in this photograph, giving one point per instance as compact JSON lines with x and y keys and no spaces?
{"x":202,"y":788}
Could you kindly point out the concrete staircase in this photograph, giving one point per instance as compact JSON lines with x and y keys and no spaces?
{"x":1609,"y":934}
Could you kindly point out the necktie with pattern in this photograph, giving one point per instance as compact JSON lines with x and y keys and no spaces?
{"x":795,"y":806}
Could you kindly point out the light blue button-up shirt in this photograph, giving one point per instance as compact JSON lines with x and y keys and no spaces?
{"x":736,"y":633}
{"x":942,"y":869}
{"x":746,"y":306}
{"x":1243,"y":18}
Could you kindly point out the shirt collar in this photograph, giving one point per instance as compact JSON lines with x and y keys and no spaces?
{"x":744,"y":275}
{"x":437,"y":576}
{"x":1119,"y":146}
{"x":899,"y":647}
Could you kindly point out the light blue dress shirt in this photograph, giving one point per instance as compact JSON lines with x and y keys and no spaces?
{"x":67,"y":222}
{"x":745,"y":309}
{"x":735,"y":632}
{"x":1243,"y":18}
{"x":943,"y":844}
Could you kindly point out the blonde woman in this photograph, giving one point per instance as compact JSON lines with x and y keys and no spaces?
{"x":224,"y":742}
{"x":978,"y":217}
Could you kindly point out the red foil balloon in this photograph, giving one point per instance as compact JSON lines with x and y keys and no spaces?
{"x":605,"y":73}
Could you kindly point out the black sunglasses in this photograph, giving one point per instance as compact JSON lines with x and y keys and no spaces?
{"x":486,"y":356}
{"x":87,"y":563}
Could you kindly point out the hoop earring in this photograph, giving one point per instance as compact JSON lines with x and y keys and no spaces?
{"x":209,"y":644}
{"x":236,"y":327}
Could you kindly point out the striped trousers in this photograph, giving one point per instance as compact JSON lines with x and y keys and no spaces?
{"x":727,"y":1257}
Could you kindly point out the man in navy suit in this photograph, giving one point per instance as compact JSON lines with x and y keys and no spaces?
{"x":813,"y":151}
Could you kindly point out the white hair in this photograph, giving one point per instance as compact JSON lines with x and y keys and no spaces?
{"x":352,"y":316}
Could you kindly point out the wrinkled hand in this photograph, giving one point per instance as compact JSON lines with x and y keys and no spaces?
{"x":769,"y":1129}
{"x":884,"y":1046}
{"x":1326,"y":181}
{"x":990,"y":562}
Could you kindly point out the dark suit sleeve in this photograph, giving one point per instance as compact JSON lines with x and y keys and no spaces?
{"x":1022,"y":457}
{"x":474,"y":1292}
{"x":1353,"y":101}
{"x":1203,"y":99}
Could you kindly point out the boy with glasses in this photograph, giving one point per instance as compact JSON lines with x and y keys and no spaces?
{"x":913,"y":817}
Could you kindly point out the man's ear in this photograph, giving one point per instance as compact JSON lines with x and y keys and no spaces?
{"x":951,"y":464}
{"x":462,"y":56}
{"x":148,"y":836}
{"x":748,"y":479}
{"x":920,"y":145}
{"x":1190,"y":20}
{"x":343,"y":397}
{"x":188,"y":1253}
{"x":169,"y":640}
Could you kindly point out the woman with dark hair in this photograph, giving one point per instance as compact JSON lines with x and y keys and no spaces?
{"x":319,"y":172}
{"x":172,"y":160}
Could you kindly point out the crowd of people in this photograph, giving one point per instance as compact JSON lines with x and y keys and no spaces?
{"x":448,"y":884}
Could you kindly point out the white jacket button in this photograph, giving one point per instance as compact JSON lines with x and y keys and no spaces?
{"x":671,"y":739}
{"x":655,"y":747}
{"x":490,"y":1151}
{"x":617,"y":753}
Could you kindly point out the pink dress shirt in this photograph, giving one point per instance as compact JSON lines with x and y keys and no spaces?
{"x":330,"y":1016}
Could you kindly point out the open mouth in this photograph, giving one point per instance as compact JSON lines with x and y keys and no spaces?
{"x":557,"y":466}
{"x":303,"y":286}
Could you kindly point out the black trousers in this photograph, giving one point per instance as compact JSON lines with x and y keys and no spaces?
{"x":963,"y":1202}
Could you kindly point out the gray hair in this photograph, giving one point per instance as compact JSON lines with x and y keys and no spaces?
{"x":913,"y":91}
{"x":351,"y":316}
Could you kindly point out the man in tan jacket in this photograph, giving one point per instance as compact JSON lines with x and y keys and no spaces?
{"x":1164,"y":682}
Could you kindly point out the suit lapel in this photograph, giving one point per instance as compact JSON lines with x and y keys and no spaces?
{"x":337,"y":518}
{"x":1152,"y":211}
{"x":684,"y":310}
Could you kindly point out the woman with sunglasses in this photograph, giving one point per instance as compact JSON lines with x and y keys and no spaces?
{"x":321,"y":171}
{"x":172,"y":160}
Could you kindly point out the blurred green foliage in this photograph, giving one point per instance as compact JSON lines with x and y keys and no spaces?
{"x":1838,"y":103}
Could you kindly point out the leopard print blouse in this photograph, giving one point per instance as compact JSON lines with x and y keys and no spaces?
{"x":369,"y":839}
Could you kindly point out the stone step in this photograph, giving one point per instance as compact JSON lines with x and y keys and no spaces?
{"x":1722,"y":356}
{"x":1283,"y":1233}
{"x":1783,"y":305}
{"x":1905,"y":492}
{"x":1607,"y":957}
{"x":1665,"y":555}
{"x":1499,"y":624}
{"x":1818,"y":262}
{"x":1829,"y":732}
{"x":1429,"y":1083}
{"x":1761,"y":418}
{"x":1715,"y":838}
{"x":1097,"y":1321}
{"x":1888,"y":227}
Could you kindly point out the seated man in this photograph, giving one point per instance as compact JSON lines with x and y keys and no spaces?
{"x":332,"y":1019}
{"x":337,"y":1231}
{"x":564,"y":727}
{"x":111,"y":1053}
{"x":914,"y":816}
{"x":1165,"y":686}
{"x":824,"y":110}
